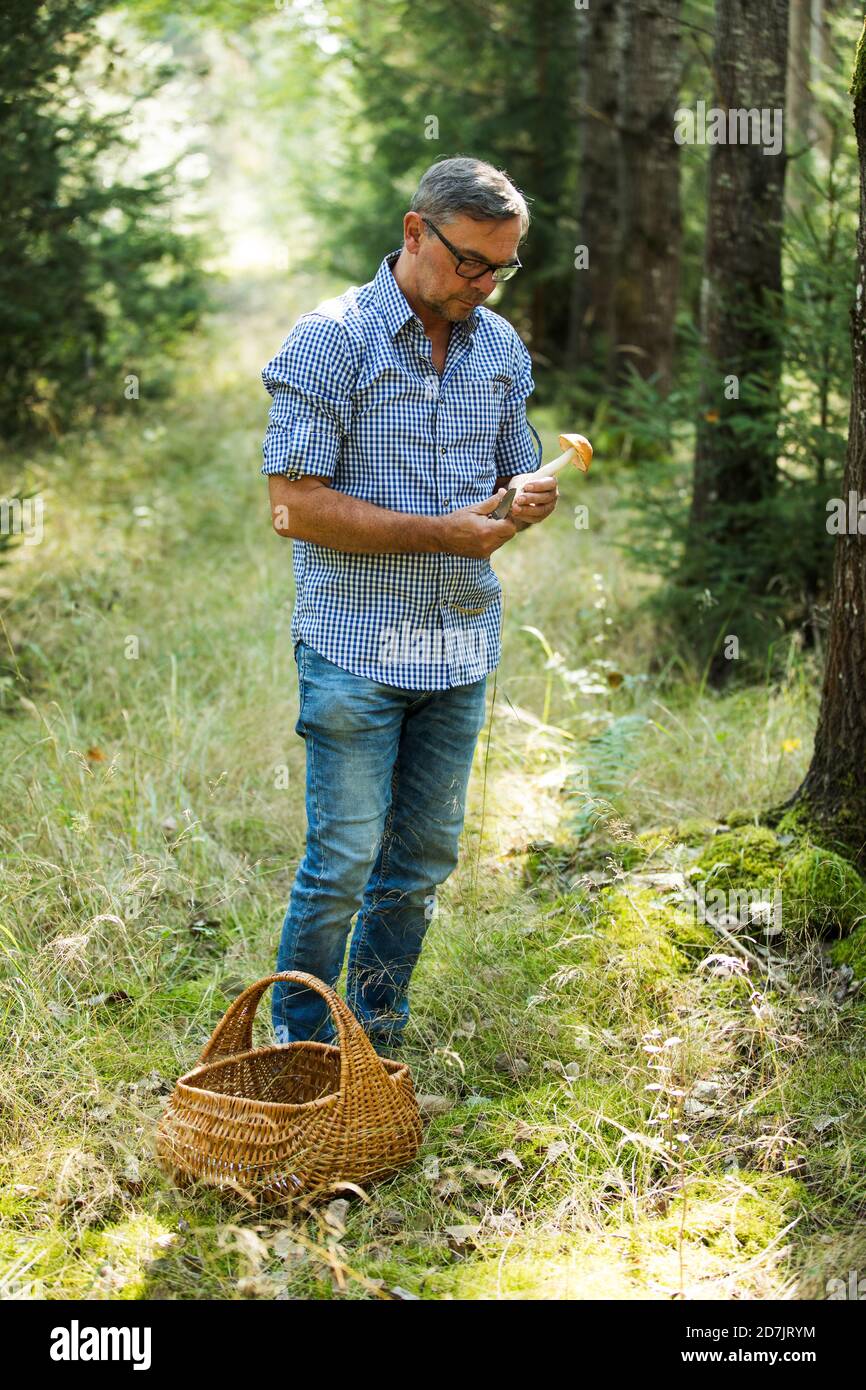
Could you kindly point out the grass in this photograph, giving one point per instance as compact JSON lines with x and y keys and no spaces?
{"x":152,"y":786}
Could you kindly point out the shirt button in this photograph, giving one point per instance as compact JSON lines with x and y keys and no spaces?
{"x":442,"y":450}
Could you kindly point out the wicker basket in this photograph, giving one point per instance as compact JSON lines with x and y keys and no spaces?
{"x":283,"y":1121}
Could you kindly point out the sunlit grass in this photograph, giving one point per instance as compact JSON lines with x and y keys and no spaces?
{"x":149,"y":844}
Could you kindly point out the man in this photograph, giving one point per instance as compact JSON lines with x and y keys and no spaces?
{"x":398,"y":417}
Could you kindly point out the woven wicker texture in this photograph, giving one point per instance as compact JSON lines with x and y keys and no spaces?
{"x":284,"y":1121}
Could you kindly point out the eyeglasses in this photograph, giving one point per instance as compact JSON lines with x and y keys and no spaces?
{"x":468,"y":268}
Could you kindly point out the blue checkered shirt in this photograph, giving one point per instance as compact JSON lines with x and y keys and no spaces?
{"x":356,"y":399}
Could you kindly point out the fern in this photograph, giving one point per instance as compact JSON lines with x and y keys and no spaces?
{"x":609,"y":758}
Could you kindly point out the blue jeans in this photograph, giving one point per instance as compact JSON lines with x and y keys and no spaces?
{"x":387,"y":772}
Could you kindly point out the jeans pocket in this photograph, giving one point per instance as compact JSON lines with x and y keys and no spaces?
{"x":301,"y":661}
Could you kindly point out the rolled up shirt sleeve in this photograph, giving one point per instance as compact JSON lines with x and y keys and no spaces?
{"x":310,"y":380}
{"x":515,"y":446}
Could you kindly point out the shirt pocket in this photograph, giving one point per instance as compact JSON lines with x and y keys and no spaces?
{"x":482,"y":400}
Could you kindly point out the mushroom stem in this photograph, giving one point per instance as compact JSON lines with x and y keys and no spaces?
{"x":549,"y":470}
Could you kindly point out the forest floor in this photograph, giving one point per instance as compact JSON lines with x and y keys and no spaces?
{"x":618,"y":1103}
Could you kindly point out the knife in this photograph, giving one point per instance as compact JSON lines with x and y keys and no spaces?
{"x":502,"y":508}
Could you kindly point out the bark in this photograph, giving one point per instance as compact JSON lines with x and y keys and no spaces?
{"x":798,"y":95}
{"x":735,"y":466}
{"x":833,"y":794}
{"x":591,"y":330}
{"x":649,"y":224}
{"x":824,"y":64}
{"x":552,"y":36}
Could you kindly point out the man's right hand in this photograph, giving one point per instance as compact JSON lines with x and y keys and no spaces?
{"x":471,"y":532}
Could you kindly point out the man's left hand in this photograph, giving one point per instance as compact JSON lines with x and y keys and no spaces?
{"x":535,"y":501}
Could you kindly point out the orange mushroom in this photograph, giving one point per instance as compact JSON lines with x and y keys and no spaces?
{"x":578,"y":451}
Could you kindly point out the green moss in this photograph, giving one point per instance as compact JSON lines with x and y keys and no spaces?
{"x":735,"y":1215}
{"x":695,"y":830}
{"x":740,"y":816}
{"x":660,"y":940}
{"x":858,"y":76}
{"x":851,"y":950}
{"x":748,"y":857}
{"x":692,"y":936}
{"x":821,"y":891}
{"x":840,"y":832}
{"x":545,"y":858}
{"x":648,"y":844}
{"x":798,"y":821}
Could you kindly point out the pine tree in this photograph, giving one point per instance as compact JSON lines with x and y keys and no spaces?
{"x":90,"y":268}
{"x":832,"y":796}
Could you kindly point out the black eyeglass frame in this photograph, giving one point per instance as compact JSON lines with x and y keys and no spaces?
{"x":511,"y":266}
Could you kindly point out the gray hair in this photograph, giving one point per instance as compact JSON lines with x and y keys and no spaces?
{"x":469,"y":186}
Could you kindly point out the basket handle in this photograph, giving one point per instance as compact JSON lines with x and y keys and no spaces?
{"x":234,"y":1032}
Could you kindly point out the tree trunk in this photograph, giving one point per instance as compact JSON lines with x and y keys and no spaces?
{"x":550,"y":109}
{"x":833,"y":794}
{"x":591,"y":331}
{"x":649,"y":225}
{"x":824,"y":61}
{"x":736,"y":439}
{"x":798,"y":95}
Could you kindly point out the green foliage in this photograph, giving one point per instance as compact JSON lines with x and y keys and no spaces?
{"x":12,"y":523}
{"x":821,"y":270}
{"x":406,"y":101}
{"x":94,"y":279}
{"x":8,"y":536}
{"x":738,"y":572}
{"x":608,"y":758}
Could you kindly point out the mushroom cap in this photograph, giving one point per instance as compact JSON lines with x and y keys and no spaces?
{"x":582,"y":448}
